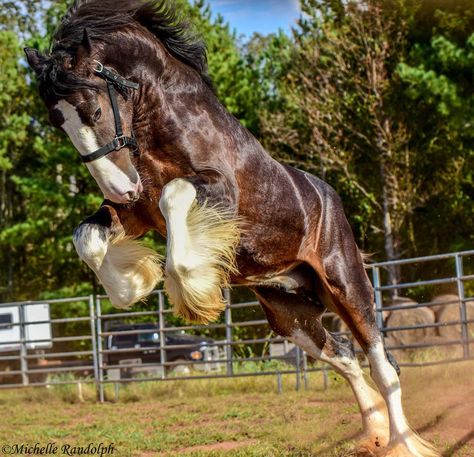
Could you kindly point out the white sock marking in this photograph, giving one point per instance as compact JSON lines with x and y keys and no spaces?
{"x":387,"y":381}
{"x":372,"y":418}
{"x":175,"y":203}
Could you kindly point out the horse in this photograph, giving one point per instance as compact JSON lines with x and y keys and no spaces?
{"x":128,"y":83}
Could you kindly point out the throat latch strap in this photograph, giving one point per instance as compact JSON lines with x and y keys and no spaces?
{"x":120,"y":141}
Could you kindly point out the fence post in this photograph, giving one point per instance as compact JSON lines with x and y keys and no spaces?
{"x":462,"y":306}
{"x":23,"y":350}
{"x":279,"y":383}
{"x":228,"y":333}
{"x":305,"y":370}
{"x":100,"y":357}
{"x":95,"y":356}
{"x":298,"y":368}
{"x":161,"y":323}
{"x":378,"y":299}
{"x":325,"y":378}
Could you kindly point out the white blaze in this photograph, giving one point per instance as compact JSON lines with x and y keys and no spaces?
{"x":113,"y":182}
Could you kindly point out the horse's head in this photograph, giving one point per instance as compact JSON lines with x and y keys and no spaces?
{"x":92,"y":103}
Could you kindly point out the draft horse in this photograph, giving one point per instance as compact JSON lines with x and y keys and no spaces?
{"x":129,"y":87}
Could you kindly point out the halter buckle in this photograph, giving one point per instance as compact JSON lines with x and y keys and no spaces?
{"x":99,"y":68}
{"x":120,"y":142}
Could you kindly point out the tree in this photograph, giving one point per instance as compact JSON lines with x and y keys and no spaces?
{"x":234,"y":79}
{"x":343,"y":115}
{"x":437,"y":86}
{"x":14,"y":123}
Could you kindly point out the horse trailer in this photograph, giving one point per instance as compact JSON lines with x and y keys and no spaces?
{"x":27,"y":325}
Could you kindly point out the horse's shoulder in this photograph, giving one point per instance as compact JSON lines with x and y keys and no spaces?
{"x":305,"y":180}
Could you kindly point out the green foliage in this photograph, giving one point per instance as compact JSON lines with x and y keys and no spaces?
{"x":234,"y":80}
{"x":395,"y":141}
{"x":377,"y":99}
{"x":14,"y":122}
{"x":437,"y":87}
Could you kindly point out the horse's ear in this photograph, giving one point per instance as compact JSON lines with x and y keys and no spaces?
{"x":35,"y":59}
{"x":85,"y":49}
{"x":86,"y":42}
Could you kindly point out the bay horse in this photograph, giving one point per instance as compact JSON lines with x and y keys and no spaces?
{"x":129,"y":86}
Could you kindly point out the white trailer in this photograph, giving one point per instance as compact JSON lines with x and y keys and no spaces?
{"x":36,"y":327}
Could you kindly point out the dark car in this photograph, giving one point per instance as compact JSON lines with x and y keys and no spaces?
{"x":139,"y":344}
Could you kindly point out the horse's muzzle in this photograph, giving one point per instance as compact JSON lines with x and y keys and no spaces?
{"x":130,"y":196}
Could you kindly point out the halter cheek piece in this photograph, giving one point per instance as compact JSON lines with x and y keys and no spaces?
{"x":120,"y":141}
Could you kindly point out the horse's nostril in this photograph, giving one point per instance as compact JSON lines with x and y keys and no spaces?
{"x":132,"y":196}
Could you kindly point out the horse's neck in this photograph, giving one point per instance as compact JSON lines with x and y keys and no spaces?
{"x":188,"y":129}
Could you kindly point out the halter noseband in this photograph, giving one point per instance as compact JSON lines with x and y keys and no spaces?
{"x":120,"y":141}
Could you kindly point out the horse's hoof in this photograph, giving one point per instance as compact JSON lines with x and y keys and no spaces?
{"x":363,"y":451}
{"x":371,"y":445}
{"x":414,"y":447}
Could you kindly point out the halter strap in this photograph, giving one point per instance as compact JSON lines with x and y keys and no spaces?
{"x":111,"y":76}
{"x":120,"y":141}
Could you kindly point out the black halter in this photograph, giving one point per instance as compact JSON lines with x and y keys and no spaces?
{"x":120,"y":141}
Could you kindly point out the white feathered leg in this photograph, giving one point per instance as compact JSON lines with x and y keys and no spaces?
{"x":201,"y":242}
{"x":128,"y":270}
{"x":371,"y":405}
{"x":404,"y":441}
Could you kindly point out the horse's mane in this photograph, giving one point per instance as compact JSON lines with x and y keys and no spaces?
{"x":103,"y":17}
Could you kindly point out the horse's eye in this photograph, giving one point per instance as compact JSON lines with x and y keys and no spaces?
{"x":97,"y":115}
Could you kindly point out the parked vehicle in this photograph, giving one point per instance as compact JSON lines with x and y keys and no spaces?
{"x":130,"y":345}
{"x":24,"y":330}
{"x":37,"y":331}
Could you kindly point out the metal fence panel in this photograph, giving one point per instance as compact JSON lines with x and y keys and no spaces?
{"x":82,"y":350}
{"x":44,"y":356}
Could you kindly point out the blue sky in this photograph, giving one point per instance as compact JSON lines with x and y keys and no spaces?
{"x":263,"y":16}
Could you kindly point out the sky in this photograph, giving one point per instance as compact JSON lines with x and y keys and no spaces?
{"x":262,"y":16}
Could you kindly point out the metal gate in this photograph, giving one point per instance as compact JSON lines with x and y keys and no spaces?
{"x":79,"y":349}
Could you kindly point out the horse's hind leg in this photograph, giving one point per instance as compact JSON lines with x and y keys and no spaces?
{"x":127,"y":270}
{"x":346,"y":289}
{"x":298,"y":318}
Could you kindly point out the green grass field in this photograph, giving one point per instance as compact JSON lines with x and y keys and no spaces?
{"x":236,"y":417}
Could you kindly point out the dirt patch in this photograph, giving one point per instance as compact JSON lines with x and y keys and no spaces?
{"x":224,"y":446}
{"x":440,"y":403}
{"x":456,"y":419}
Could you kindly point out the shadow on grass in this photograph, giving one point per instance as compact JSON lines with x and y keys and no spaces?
{"x":459,"y":444}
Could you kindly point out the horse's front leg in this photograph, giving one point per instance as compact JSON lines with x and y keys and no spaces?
{"x":128,"y":270}
{"x":202,"y":236}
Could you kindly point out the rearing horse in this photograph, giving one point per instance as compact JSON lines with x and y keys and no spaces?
{"x":129,"y":87}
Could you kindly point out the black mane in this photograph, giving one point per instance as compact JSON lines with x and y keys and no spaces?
{"x":103,"y":17}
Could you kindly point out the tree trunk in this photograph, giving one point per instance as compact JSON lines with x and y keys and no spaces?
{"x":390,"y":244}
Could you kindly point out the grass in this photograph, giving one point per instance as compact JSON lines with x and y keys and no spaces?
{"x":235,"y":417}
